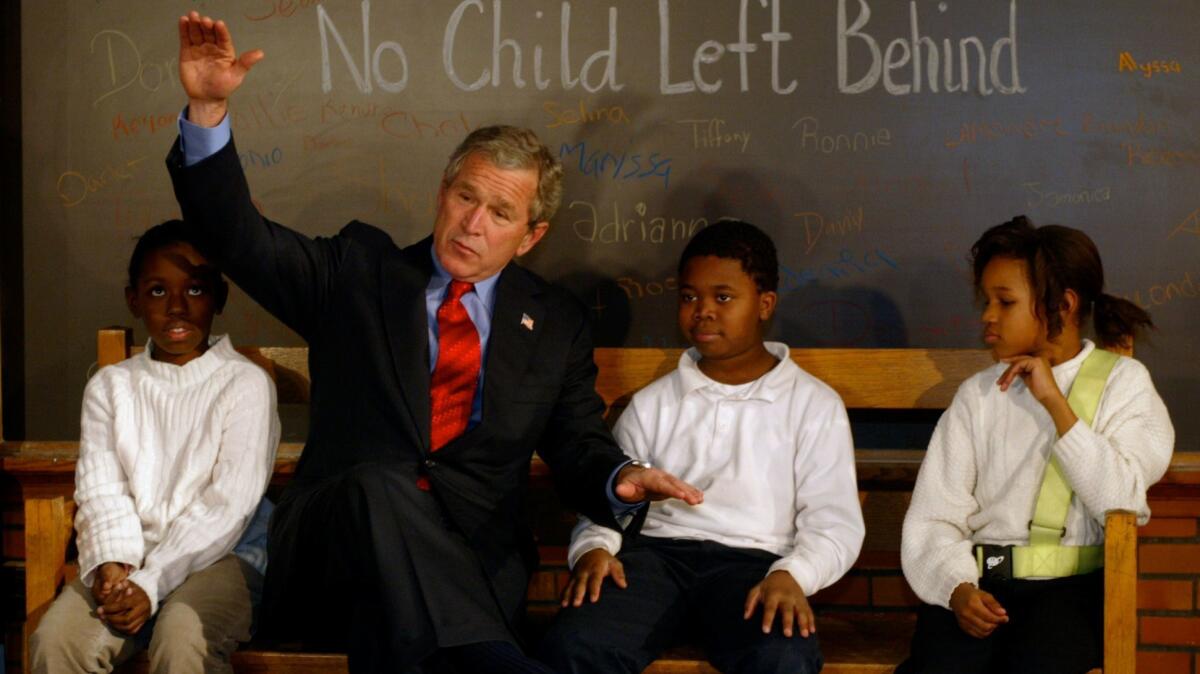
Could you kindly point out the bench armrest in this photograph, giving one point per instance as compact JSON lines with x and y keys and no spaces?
{"x":1120,"y":592}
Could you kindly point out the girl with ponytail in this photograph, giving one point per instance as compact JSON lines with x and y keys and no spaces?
{"x":1004,"y":590}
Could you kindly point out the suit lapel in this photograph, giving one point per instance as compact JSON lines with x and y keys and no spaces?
{"x":404,"y":279}
{"x":517,"y":321}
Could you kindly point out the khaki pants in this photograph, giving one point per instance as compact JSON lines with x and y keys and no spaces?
{"x":196,"y":628}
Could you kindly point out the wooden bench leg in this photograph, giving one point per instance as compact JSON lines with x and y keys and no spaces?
{"x":48,"y":524}
{"x":1120,"y":593}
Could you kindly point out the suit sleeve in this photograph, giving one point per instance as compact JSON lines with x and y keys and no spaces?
{"x":577,"y":444}
{"x":289,"y":274}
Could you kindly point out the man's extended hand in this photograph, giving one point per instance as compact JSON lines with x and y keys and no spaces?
{"x":127,"y":608}
{"x":638,"y":483}
{"x":209,"y":67}
{"x":780,"y":593}
{"x":588,"y":575}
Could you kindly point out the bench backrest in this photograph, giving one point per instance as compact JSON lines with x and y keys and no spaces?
{"x":865,"y":378}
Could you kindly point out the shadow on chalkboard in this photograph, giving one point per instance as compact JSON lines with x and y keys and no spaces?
{"x":823,"y":316}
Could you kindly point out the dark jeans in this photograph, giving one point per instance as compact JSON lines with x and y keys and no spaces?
{"x":1055,"y":627}
{"x":678,"y":591}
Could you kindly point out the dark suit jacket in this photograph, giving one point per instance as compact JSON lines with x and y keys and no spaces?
{"x":359,"y":302}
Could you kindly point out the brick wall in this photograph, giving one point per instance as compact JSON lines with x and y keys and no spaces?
{"x":1169,"y":583}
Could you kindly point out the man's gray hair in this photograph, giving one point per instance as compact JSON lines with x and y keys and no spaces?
{"x":511,"y":147}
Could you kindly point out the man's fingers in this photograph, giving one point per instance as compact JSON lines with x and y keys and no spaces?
{"x":184,"y":39}
{"x":206,"y":27}
{"x":195,"y":32}
{"x":222,"y":35}
{"x":250,"y":58}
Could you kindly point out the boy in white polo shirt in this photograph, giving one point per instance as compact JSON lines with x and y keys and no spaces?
{"x":770,"y":447}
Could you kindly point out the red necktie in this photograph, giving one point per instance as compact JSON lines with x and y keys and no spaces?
{"x":456,"y":374}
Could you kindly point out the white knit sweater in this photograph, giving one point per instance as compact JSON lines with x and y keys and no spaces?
{"x":981,"y":475}
{"x":172,"y":462}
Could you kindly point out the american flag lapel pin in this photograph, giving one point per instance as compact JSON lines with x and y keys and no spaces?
{"x":526,"y":322}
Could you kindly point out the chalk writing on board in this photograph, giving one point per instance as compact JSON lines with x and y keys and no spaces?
{"x":133,"y":125}
{"x":1126,"y":63}
{"x":711,"y":51}
{"x":282,"y":9}
{"x":812,"y":139}
{"x":1142,"y":125}
{"x":264,"y":159}
{"x":849,"y":263}
{"x":1139,"y":155}
{"x":74,"y":186}
{"x":569,"y":79}
{"x":712,"y":134}
{"x":636,"y":289}
{"x":990,"y":130}
{"x":901,"y":51}
{"x":1042,"y":196}
{"x":1178,"y":288}
{"x":1190,"y":225}
{"x":817,"y":225}
{"x":409,"y":126}
{"x":371,"y":71}
{"x":622,"y":228}
{"x":623,"y":165}
{"x":572,"y":115}
{"x":127,"y":68}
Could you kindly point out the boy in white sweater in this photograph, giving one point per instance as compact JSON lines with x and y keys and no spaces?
{"x":770,"y":447}
{"x":979,"y":509}
{"x":176,"y":449}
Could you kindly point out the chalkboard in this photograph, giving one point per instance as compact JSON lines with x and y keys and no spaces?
{"x":874,"y":140}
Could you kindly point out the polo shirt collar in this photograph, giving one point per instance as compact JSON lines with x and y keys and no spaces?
{"x":767,"y":387}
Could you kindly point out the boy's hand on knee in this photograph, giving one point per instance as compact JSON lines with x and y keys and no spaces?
{"x":780,"y":593}
{"x":978,"y":613}
{"x":127,"y":609}
{"x":589,"y":574}
{"x":108,"y":576}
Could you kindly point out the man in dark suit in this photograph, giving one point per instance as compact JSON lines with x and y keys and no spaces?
{"x":436,"y":371}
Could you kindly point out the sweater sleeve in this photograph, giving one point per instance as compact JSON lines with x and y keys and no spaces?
{"x":107,"y":525}
{"x":935,"y":546}
{"x":588,"y":535}
{"x":1111,"y":465}
{"x":207,"y":529}
{"x":829,"y":526}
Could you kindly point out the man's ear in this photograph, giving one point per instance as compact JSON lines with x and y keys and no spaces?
{"x":132,"y":303}
{"x":536,"y":231}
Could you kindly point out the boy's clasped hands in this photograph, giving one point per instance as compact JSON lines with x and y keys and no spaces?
{"x":121,"y":603}
{"x":777,"y":593}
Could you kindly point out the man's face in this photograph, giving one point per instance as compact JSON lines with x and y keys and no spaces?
{"x":483,"y":219}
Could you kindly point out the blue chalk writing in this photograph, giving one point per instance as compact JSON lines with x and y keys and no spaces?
{"x":848,"y":264}
{"x":623,"y":166}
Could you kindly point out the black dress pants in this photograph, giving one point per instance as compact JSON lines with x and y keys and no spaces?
{"x":1055,"y":627}
{"x":679,"y":591}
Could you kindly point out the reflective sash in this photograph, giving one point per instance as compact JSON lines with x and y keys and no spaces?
{"x":1045,"y":556}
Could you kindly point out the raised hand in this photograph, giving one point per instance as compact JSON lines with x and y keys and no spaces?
{"x":588,"y":575}
{"x":978,"y":613}
{"x":780,"y":593}
{"x":209,"y":67}
{"x":639,"y":483}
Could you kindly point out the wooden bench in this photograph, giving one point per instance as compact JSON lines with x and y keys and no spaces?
{"x":855,"y":642}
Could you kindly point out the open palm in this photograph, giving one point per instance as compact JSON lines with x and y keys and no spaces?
{"x":209,"y":66}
